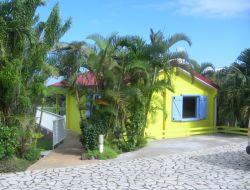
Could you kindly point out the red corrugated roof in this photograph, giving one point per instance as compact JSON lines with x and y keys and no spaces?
{"x":205,"y":80}
{"x":88,"y":79}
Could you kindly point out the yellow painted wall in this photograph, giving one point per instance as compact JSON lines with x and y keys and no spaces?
{"x":159,"y":128}
{"x":72,"y":113}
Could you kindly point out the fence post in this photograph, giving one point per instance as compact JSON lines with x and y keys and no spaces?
{"x":101,"y":143}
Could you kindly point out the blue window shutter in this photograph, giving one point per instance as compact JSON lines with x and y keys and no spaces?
{"x":87,"y":113}
{"x":202,"y":108}
{"x":177,"y":107}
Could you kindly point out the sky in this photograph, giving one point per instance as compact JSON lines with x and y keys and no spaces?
{"x":219,"y":29}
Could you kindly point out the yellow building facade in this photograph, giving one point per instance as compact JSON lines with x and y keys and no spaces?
{"x":188,"y":110}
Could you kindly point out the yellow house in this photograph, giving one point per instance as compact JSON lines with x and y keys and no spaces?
{"x":189,"y":110}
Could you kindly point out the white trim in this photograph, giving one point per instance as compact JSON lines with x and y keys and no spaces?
{"x":190,"y":95}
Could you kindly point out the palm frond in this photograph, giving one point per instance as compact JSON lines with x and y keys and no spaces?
{"x":138,"y":65}
{"x":206,"y":66}
{"x":134,"y":92}
{"x":159,"y":86}
{"x":178,"y":55}
{"x":195,"y":65}
{"x":244,"y":57}
{"x":99,"y":40}
{"x":177,"y":38}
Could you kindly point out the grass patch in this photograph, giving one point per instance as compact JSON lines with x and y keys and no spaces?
{"x":44,"y":143}
{"x":14,"y":165}
{"x":108,"y":153}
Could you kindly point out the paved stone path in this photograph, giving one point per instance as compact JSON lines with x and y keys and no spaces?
{"x":66,"y":154}
{"x":224,"y":167}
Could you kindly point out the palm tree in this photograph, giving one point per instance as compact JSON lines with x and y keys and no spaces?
{"x":234,"y":95}
{"x":243,"y":64}
{"x":160,"y":57}
{"x":70,"y":59}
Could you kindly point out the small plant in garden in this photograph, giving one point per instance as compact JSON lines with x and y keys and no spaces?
{"x":108,"y":153}
{"x":32,"y":154}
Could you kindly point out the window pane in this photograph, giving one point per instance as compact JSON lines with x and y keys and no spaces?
{"x":189,"y":107}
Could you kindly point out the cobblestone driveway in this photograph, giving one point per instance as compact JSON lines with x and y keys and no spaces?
{"x":224,"y":167}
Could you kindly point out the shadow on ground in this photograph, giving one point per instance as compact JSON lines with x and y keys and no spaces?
{"x":70,"y":146}
{"x":238,"y":160}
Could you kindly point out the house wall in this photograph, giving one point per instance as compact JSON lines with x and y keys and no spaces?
{"x":72,"y":113}
{"x":158,"y":127}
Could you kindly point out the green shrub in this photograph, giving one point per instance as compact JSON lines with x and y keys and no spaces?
{"x":32,"y":154}
{"x":133,"y":135}
{"x":8,"y":141}
{"x":90,"y":134}
{"x":24,"y":140}
{"x":108,"y":153}
{"x":45,"y":143}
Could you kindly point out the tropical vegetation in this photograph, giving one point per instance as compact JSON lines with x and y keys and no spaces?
{"x":234,"y":94}
{"x":206,"y":69}
{"x":24,"y":43}
{"x":127,"y":75}
{"x":128,"y":71}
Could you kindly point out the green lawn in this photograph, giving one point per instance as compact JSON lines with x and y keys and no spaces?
{"x":45,"y":143}
{"x":14,"y":165}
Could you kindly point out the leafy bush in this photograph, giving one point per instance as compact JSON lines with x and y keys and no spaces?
{"x":27,"y":136}
{"x":45,"y":143}
{"x":134,"y":138}
{"x":108,"y":153}
{"x":24,"y":140}
{"x":8,"y":140}
{"x":32,"y":154}
{"x":90,"y":134}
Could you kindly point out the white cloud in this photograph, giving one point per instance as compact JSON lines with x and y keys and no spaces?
{"x":215,"y":8}
{"x":206,"y":8}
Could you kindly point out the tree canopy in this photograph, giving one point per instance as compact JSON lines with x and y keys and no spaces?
{"x":234,"y":94}
{"x":24,"y":43}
